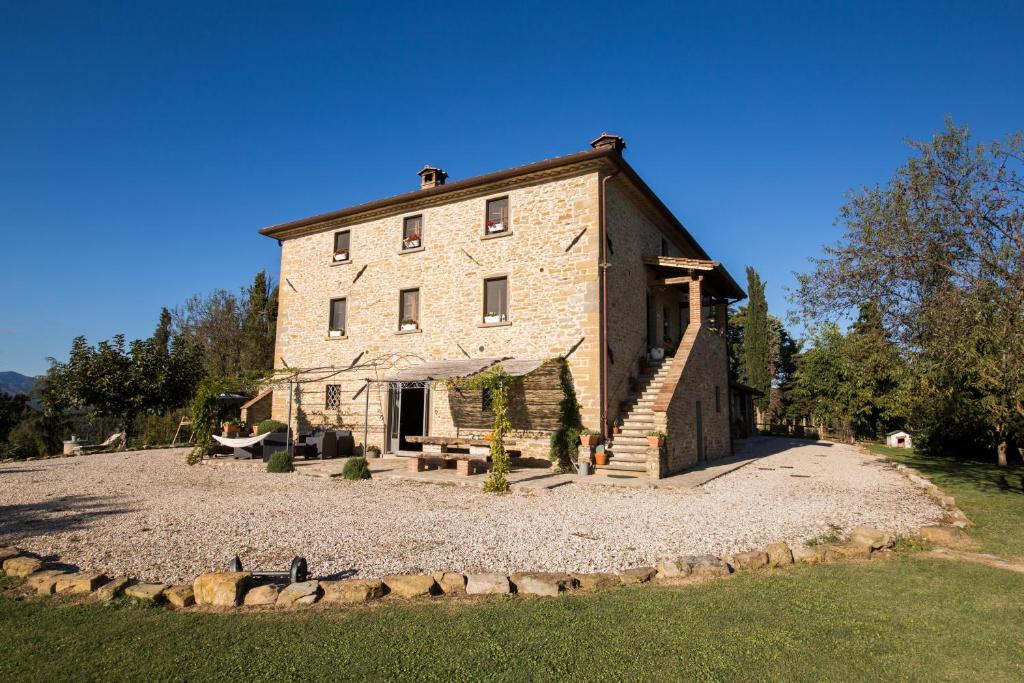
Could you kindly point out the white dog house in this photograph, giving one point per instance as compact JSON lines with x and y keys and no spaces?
{"x":898,"y":439}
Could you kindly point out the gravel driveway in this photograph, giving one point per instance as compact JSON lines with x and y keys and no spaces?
{"x":150,"y":515}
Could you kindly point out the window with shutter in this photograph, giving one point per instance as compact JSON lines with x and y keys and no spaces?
{"x":412,"y":232}
{"x":496,"y":300}
{"x":409,"y":309}
{"x":337,"y":317}
{"x":497,"y":219}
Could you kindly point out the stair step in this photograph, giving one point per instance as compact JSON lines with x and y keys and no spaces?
{"x":623,"y":466}
{"x":633,"y":458}
{"x":630,"y":439}
{"x":629,"y":448}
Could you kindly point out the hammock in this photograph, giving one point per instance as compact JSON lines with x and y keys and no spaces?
{"x":240,"y":443}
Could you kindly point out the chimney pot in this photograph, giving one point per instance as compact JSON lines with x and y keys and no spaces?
{"x":431,"y":176}
{"x":608,"y":140}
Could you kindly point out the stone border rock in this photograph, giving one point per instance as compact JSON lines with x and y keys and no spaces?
{"x":226,"y":589}
{"x":955,"y":516}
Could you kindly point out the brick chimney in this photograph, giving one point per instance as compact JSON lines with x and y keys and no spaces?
{"x":431,"y":176}
{"x":607,"y":140}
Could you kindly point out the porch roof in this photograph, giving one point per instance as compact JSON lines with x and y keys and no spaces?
{"x":717,"y":277}
{"x":461,"y":367}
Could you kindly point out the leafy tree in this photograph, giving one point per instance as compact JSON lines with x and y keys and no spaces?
{"x":162,"y":334}
{"x":940,"y":251}
{"x":13,"y":409}
{"x":213,"y":323}
{"x":122,"y":381}
{"x":756,"y":349}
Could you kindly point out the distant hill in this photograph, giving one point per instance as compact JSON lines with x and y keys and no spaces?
{"x":16,"y":383}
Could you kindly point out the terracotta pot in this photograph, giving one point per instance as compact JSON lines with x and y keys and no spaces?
{"x":600,"y":458}
{"x":231,"y":429}
{"x":589,"y":439}
{"x":655,"y":441}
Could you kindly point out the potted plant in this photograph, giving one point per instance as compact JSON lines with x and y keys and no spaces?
{"x":495,"y":226}
{"x":372,"y":451}
{"x":341,"y":254}
{"x":590,"y":437}
{"x":337,"y":333}
{"x":615,"y":426}
{"x":412,"y":241}
{"x":600,"y":456}
{"x":231,"y":427}
{"x":408,"y":324}
{"x":491,"y":317}
{"x":656,"y":439}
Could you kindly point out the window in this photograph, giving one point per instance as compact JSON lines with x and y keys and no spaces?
{"x":333,"y":396}
{"x":409,"y":309}
{"x":341,"y":240}
{"x":486,"y":399}
{"x":337,"y":328}
{"x":412,"y":230}
{"x":664,"y":247}
{"x":496,"y":300}
{"x":497,"y":216}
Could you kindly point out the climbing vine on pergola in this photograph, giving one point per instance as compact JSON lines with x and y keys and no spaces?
{"x":496,"y":381}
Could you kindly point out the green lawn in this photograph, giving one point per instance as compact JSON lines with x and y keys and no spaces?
{"x":990,"y":495}
{"x":908,"y":618}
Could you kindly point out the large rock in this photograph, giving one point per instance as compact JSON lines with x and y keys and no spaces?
{"x":180,"y":596}
{"x":302,"y":593}
{"x":940,"y":535}
{"x":595,"y":580}
{"x":779,"y":554}
{"x":81,"y":582}
{"x":637,"y":575}
{"x":221,"y":589}
{"x":261,"y":595}
{"x":44,"y":582}
{"x":872,"y":539}
{"x":752,"y":559}
{"x":805,"y":554}
{"x":352,"y":591}
{"x":836,"y":553}
{"x":411,"y":585}
{"x":672,"y":568}
{"x":542,"y":583}
{"x":707,"y":566}
{"x":22,"y":566}
{"x":112,"y":589}
{"x":146,"y":592}
{"x":487,"y":584}
{"x":451,"y":583}
{"x":7,"y":552}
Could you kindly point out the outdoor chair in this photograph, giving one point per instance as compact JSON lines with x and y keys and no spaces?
{"x":321,"y":444}
{"x":117,"y":438}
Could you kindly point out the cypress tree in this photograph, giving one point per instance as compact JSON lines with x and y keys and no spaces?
{"x":259,"y":326}
{"x":756,"y":349}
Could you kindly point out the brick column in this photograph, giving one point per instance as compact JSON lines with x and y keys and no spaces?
{"x":696,"y":310}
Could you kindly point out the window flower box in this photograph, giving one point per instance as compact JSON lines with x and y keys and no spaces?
{"x":411,"y":242}
{"x":336,"y":333}
{"x":492,"y":318}
{"x":495,"y":226}
{"x":341,"y":255}
{"x":408,"y":325}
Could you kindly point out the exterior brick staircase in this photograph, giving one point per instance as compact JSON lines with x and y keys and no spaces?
{"x":628,"y":449}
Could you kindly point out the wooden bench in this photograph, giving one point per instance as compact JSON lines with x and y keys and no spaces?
{"x":438,"y":452}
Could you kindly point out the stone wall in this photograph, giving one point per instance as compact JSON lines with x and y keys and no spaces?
{"x":700,"y":373}
{"x":632,"y":235}
{"x":549,"y":257}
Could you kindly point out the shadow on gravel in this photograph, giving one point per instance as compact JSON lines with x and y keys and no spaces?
{"x":60,"y":514}
{"x":763,"y":446}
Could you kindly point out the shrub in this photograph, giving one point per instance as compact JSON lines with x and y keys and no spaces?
{"x":271,"y":426}
{"x":657,"y":433}
{"x":356,"y":469}
{"x":280,"y":461}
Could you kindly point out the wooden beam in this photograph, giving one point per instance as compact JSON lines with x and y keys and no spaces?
{"x":664,"y":282}
{"x":678,"y":262}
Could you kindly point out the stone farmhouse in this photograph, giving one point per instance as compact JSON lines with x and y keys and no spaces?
{"x":572,"y":262}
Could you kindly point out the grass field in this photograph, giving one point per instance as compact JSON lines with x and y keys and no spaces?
{"x":907,"y":618}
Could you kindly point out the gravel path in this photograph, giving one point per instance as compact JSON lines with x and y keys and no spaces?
{"x":150,"y":515}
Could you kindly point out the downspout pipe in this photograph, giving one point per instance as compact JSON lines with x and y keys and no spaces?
{"x":602,"y":273}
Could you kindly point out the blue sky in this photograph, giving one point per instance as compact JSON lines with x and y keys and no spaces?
{"x":141,"y":147}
